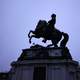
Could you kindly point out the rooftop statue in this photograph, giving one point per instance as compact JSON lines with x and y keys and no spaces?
{"x":47,"y":31}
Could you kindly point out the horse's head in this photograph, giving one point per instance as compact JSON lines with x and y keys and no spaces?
{"x":41,"y":24}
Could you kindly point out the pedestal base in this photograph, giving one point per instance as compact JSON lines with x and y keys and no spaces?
{"x":45,"y":64}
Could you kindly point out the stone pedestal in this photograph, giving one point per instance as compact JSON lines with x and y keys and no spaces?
{"x":44,"y":64}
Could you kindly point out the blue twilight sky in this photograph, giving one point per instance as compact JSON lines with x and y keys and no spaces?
{"x":17,"y":17}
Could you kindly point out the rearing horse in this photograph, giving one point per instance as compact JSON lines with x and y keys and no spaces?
{"x":43,"y":30}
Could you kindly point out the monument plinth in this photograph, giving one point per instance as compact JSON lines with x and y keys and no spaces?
{"x":45,"y":53}
{"x":44,"y":64}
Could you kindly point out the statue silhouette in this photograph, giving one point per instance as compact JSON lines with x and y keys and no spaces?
{"x":48,"y":32}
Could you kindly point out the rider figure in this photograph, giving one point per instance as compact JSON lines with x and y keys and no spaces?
{"x":51,"y":23}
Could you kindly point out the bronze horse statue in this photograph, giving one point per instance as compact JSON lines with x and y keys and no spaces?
{"x":43,"y":31}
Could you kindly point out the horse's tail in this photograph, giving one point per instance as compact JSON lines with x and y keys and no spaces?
{"x":65,"y":39}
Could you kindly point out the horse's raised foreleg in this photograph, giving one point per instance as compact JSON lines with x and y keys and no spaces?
{"x":30,"y":33}
{"x":31,"y":38}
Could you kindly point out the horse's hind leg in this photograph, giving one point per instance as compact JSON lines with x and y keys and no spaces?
{"x":44,"y":40}
{"x":53,"y":43}
{"x":50,"y":45}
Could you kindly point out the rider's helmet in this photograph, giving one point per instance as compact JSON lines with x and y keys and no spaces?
{"x":53,"y":15}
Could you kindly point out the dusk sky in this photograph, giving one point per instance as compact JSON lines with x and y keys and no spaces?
{"x":18,"y":17}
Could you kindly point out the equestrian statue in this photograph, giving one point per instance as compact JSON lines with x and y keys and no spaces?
{"x":47,"y":31}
